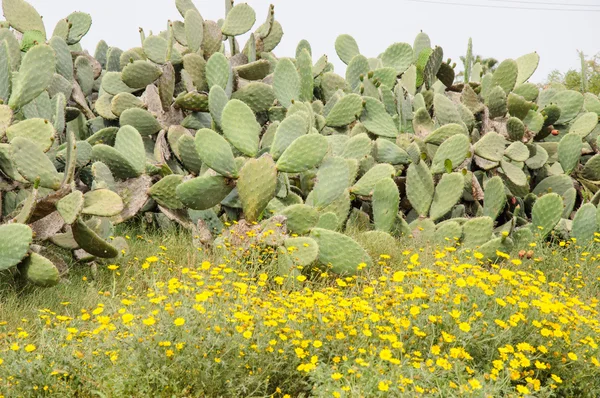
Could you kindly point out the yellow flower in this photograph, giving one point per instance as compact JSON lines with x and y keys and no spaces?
{"x":572,"y":356}
{"x":337,"y":376}
{"x":464,"y":326}
{"x":475,"y":384}
{"x":341,"y":283}
{"x":522,"y":389}
{"x":398,"y":276}
{"x":317,"y":344}
{"x":113,"y":267}
{"x":127,"y":318}
{"x":247,"y":334}
{"x":179,"y":322}
{"x":152,"y":259}
{"x":149,"y":321}
{"x":30,"y":348}
{"x":383,"y":386}
{"x":301,"y":278}
{"x":556,"y":378}
{"x":385,"y":354}
{"x":15,"y":347}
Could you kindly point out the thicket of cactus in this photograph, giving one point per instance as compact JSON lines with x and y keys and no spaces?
{"x":194,"y":128}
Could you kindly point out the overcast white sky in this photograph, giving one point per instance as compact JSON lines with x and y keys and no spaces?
{"x":498,"y":32}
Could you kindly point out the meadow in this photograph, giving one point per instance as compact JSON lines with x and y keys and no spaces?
{"x":171,"y":320}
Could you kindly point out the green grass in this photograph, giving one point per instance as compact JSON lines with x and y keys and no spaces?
{"x":199,"y":324}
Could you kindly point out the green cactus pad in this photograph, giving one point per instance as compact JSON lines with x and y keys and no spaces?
{"x":389,"y":152}
{"x":569,"y":151}
{"x":303,"y":250}
{"x":514,"y":173}
{"x":286,"y":82}
{"x":203,"y":193}
{"x":359,"y":65}
{"x":494,"y":198}
{"x":477,"y":231}
{"x":419,"y":187}
{"x":300,"y":218}
{"x":515,"y":129}
{"x":386,"y":200}
{"x":164,"y":192}
{"x":290,"y":129}
{"x":558,"y":184}
{"x":491,"y":248}
{"x":217,"y":71}
{"x":329,"y":221}
{"x":192,"y":101}
{"x":142,"y":120}
{"x":35,"y":75}
{"x":14,"y":244}
{"x":570,"y":103}
{"x":376,"y":119}
{"x":70,"y":206}
{"x":546,"y":213}
{"x":239,"y":20}
{"x":585,"y":224}
{"x":304,"y":65}
{"x":37,"y":130}
{"x":454,"y":149}
{"x":332,"y":181}
{"x":22,"y":16}
{"x":79,"y":24}
{"x":216,"y":152}
{"x":438,"y":136}
{"x":447,"y":193}
{"x":39,"y":270}
{"x":491,"y":146}
{"x":139,"y":74}
{"x":506,"y":74}
{"x":591,"y":169}
{"x":358,"y":147}
{"x":339,"y":251}
{"x":569,"y":198}
{"x":367,"y":182}
{"x":123,"y":101}
{"x":113,"y":84}
{"x":305,"y":153}
{"x":584,"y":124}
{"x":32,"y":163}
{"x":102,"y":203}
{"x":448,"y":233}
{"x":258,"y":96}
{"x":346,"y":48}
{"x":156,"y":48}
{"x":91,"y":242}
{"x":398,"y":56}
{"x":527,"y":64}
{"x":517,"y":151}
{"x":256,"y":185}
{"x":538,"y":157}
{"x":194,"y":29}
{"x":496,"y":102}
{"x":445,"y":110}
{"x":345,"y":111}
{"x":240,"y":127}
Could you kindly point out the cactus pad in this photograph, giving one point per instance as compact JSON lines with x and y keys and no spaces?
{"x":305,"y":153}
{"x":256,"y":186}
{"x":419,"y":187}
{"x":14,"y":244}
{"x":39,"y":270}
{"x":339,"y":251}
{"x":546,"y":213}
{"x":240,"y":127}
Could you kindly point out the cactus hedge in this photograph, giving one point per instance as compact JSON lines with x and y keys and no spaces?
{"x":196,"y":128}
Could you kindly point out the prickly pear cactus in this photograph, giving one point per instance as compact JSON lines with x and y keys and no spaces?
{"x":193,"y":121}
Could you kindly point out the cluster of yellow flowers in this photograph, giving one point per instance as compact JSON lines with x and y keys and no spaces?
{"x":412,"y":327}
